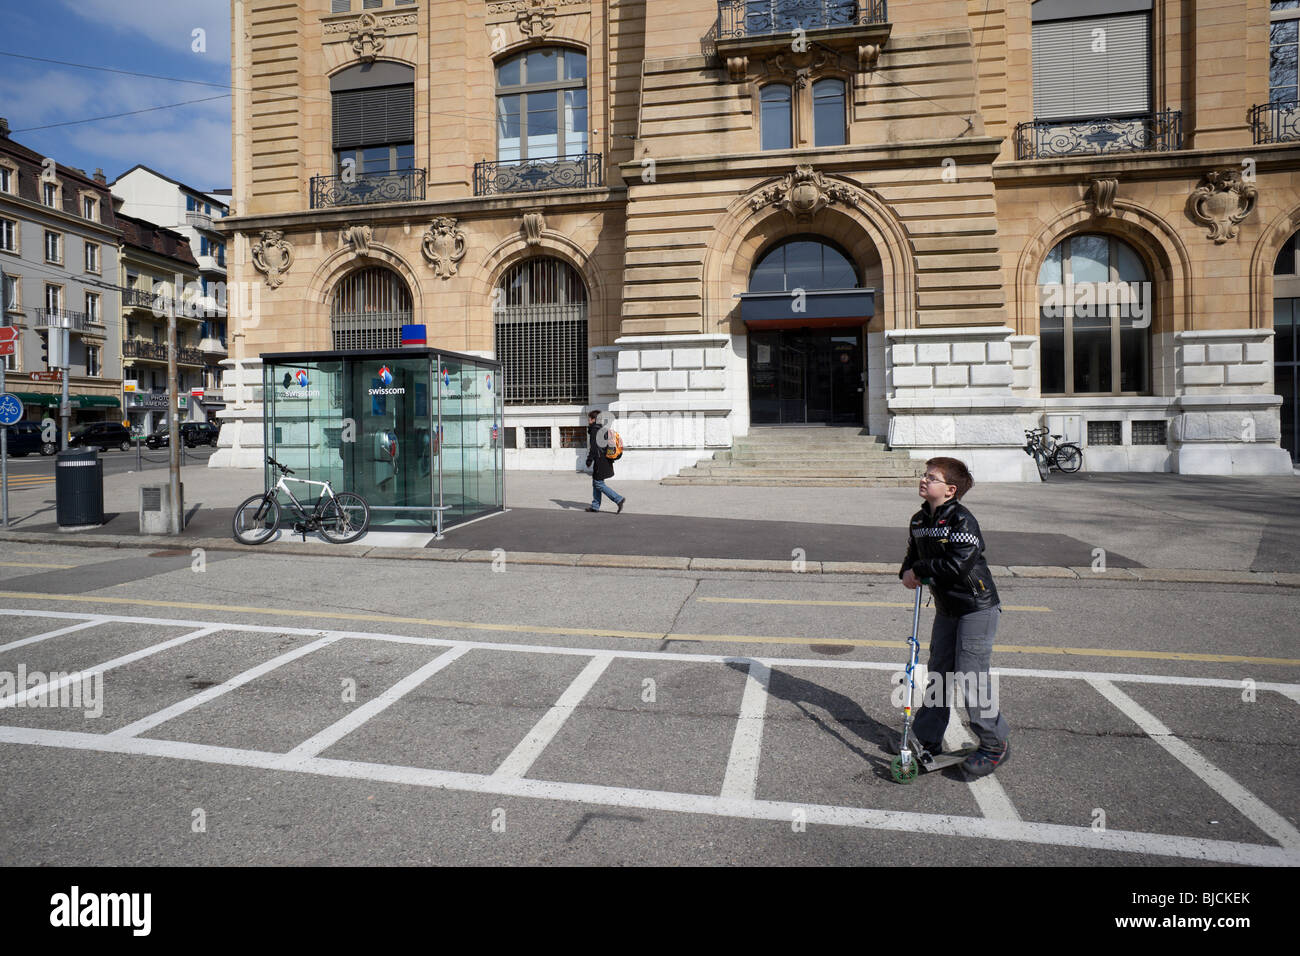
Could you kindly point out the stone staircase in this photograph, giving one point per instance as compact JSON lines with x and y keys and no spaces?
{"x":811,"y":457}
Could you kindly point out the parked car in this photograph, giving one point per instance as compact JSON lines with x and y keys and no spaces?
{"x":101,"y":435}
{"x":26,"y":437}
{"x":193,"y":434}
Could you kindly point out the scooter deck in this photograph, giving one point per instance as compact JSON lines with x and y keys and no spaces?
{"x":944,"y":760}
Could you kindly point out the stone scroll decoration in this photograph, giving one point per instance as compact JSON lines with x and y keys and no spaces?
{"x":1101,"y":193}
{"x":536,"y":20}
{"x":531,"y":227}
{"x":1221,"y":202}
{"x":358,"y":237}
{"x":804,"y":193}
{"x":367,"y":38}
{"x":443,"y":246}
{"x":272,"y":256}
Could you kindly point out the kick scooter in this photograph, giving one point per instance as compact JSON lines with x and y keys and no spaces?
{"x":912,"y":757}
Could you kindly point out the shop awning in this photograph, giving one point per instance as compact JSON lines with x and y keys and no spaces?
{"x":49,"y":400}
{"x":814,"y":308}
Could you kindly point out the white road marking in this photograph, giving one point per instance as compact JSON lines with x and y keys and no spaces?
{"x":341,"y":728}
{"x":1246,"y":802}
{"x":530,"y":748}
{"x":987,"y":791}
{"x":741,"y":780}
{"x":210,"y":693}
{"x":17,"y":700}
{"x":1045,"y":834}
{"x":1292,"y":692}
{"x":48,"y":634}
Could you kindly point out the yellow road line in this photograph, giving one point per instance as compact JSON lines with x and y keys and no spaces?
{"x":640,"y":635}
{"x":19,"y":564}
{"x":907,"y":604}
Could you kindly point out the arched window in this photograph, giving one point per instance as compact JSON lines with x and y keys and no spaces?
{"x":829,"y":113}
{"x":368,"y":310}
{"x":541,"y":333}
{"x":1095,"y":318}
{"x":542,"y":104}
{"x":803,"y":262}
{"x":1286,"y":341}
{"x":374,"y":120}
{"x":776,"y":118}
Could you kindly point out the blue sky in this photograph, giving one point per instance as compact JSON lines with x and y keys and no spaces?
{"x":190,"y":143}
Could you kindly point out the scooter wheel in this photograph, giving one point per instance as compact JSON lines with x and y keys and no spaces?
{"x":903,"y":774}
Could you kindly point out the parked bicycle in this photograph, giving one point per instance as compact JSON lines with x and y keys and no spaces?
{"x":1048,"y":452}
{"x":340,"y":517}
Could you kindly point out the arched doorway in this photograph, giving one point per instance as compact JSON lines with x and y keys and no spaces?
{"x":1286,"y":340}
{"x":368,"y":310}
{"x":805,"y":310}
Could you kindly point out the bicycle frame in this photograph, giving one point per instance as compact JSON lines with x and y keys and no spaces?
{"x":297,"y":505}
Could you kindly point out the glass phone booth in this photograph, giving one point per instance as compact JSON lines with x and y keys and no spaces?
{"x":417,"y":432}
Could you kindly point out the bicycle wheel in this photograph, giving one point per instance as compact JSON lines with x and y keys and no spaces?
{"x":1068,"y":458}
{"x":345,"y":518}
{"x":1043,"y":467}
{"x":256,"y":520}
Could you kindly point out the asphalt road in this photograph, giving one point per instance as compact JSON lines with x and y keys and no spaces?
{"x":335,"y":710}
{"x":115,"y":462}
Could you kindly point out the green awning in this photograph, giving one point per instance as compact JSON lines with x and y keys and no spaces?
{"x":48,"y":400}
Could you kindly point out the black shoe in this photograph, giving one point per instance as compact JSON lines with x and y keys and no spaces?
{"x":983,"y":762}
{"x":593,"y":509}
{"x":620,"y":507}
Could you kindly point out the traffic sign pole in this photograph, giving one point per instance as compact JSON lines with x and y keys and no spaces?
{"x":4,"y":461}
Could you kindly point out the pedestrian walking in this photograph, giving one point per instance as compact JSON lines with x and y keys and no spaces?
{"x":601,"y":465}
{"x":945,"y":549}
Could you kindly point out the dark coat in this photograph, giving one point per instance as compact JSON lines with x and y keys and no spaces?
{"x":945,"y":546}
{"x":601,"y":467}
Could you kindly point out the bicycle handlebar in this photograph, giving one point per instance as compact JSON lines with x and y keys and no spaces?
{"x":284,"y":469}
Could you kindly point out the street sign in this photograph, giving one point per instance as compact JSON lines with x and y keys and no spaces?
{"x":53,"y":376}
{"x":7,"y":348}
{"x":8,"y":333}
{"x":11,"y":408}
{"x":196,"y":392}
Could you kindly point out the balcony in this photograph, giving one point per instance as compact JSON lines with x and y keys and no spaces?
{"x":403,"y":185}
{"x":142,"y":299}
{"x":1275,"y":122}
{"x":747,"y":27}
{"x":213,"y":346}
{"x":575,"y":171}
{"x":1096,"y":135}
{"x":151,"y":352}
{"x":199,"y":220}
{"x":61,"y":319}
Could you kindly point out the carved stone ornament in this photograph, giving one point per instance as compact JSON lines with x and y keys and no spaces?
{"x":868,"y":54}
{"x":272,"y":256}
{"x":367,"y":38}
{"x":537,"y":20}
{"x":532,"y":225}
{"x":443,"y":246}
{"x":1221,"y":202}
{"x":737,"y":68}
{"x":799,"y":67}
{"x":805,"y":192}
{"x":1101,"y":193}
{"x":358,"y":237}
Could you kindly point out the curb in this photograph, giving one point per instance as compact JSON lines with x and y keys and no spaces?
{"x":651,"y":562}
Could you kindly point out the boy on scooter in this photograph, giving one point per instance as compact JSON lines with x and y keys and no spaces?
{"x":946,"y":550}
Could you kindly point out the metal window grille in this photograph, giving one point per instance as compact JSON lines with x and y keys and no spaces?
{"x":369,"y":309}
{"x":541,"y":333}
{"x":537,"y":436}
{"x":573,"y":436}
{"x":1150,"y":433}
{"x":1104,"y":433}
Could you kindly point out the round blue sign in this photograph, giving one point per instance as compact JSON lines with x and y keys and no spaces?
{"x":11,"y":409}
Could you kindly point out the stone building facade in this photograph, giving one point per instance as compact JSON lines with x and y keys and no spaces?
{"x":946,"y":221}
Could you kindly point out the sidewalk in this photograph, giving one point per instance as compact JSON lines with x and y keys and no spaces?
{"x":1233,"y":529}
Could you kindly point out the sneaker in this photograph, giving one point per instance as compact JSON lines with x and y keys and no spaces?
{"x":983,"y":762}
{"x":620,"y":506}
{"x":593,"y":509}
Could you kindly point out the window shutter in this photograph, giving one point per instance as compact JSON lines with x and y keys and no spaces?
{"x":1073,"y":80}
{"x":374,"y":117}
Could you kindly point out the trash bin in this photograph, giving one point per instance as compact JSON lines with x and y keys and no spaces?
{"x":79,"y":488}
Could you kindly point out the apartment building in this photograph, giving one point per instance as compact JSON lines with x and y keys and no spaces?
{"x":941,"y":221}
{"x":58,"y":266}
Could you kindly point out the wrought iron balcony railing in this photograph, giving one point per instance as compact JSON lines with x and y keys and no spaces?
{"x":135,"y":349}
{"x":140,"y":299}
{"x":1275,"y":122}
{"x":575,"y":171}
{"x":756,"y":18}
{"x":402,"y":185}
{"x":1092,"y":135}
{"x":61,"y":319}
{"x":200,"y":220}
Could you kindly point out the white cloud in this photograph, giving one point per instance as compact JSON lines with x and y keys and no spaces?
{"x":168,"y":23}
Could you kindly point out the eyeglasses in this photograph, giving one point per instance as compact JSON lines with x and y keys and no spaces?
{"x":939,"y":478}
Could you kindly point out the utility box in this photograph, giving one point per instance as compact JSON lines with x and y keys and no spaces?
{"x":79,"y":488}
{"x":1069,"y":427}
{"x":155,"y":507}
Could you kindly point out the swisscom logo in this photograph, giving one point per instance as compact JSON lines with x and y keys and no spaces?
{"x":301,"y":376}
{"x":302,"y":391}
{"x":386,"y":378}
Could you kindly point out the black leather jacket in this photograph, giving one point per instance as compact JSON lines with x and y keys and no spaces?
{"x":944,"y":545}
